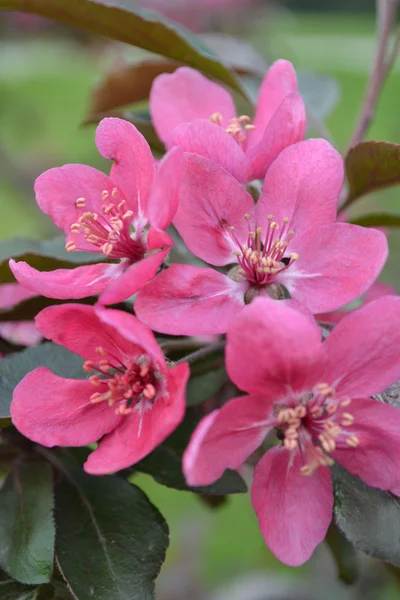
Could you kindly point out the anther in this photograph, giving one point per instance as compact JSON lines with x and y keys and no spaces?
{"x":352,"y":441}
{"x":70,"y":246}
{"x":80,"y":203}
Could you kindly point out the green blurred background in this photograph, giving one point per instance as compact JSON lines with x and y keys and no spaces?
{"x":45,"y":79}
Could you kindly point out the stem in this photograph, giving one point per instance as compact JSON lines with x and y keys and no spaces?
{"x":386,"y":15}
{"x":202,"y":352}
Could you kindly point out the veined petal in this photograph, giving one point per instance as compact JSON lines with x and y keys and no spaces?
{"x":59,"y":412}
{"x":226,"y":438}
{"x":211,"y":202}
{"x":293,"y":511}
{"x":186,"y":95}
{"x":272,"y":348}
{"x":186,"y":300}
{"x":133,"y":168}
{"x":80,"y":282}
{"x":363,"y":349}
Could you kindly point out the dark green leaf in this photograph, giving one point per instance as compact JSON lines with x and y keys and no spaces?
{"x":118,"y":20}
{"x":377,"y":220}
{"x":372,"y":166}
{"x":344,"y":554}
{"x":11,"y":590}
{"x":44,"y":255}
{"x":26,"y":523}
{"x":27,"y":310}
{"x":111,"y":541}
{"x":369,"y":518}
{"x":241,"y":56}
{"x":165,"y":464}
{"x":202,"y":387}
{"x":14,"y":367}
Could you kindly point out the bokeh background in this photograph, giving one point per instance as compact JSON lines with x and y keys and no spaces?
{"x":46,"y":74}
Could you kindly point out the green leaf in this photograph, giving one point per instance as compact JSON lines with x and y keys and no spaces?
{"x":11,"y":590}
{"x":377,"y":220}
{"x":44,"y":255}
{"x":26,"y":523}
{"x":14,"y":367}
{"x":164,"y":464}
{"x":320,"y":93}
{"x":372,"y":166}
{"x":344,"y":554}
{"x":28,"y":309}
{"x":202,"y":387}
{"x":369,"y":518}
{"x":111,"y":541}
{"x":118,"y":20}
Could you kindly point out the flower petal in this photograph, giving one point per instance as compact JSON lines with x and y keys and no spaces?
{"x":272,"y":348}
{"x":186,"y":95}
{"x":225,"y":438}
{"x":164,"y":196}
{"x":186,"y":300}
{"x":279,"y":81}
{"x":143,"y":430}
{"x":210,"y":201}
{"x":133,"y":168}
{"x":59,"y":412}
{"x":213,"y":142}
{"x":80,"y":282}
{"x":293,"y":511}
{"x":23,"y":333}
{"x":303,"y":184}
{"x":79,"y":328}
{"x":363,"y":349}
{"x":286,"y":127}
{"x":376,"y":459}
{"x":336,"y":264}
{"x":133,"y":278}
{"x":12,"y":294}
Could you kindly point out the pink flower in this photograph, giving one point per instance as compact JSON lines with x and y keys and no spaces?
{"x":289,"y":238}
{"x":190,"y":111}
{"x":98,"y":213}
{"x":377,"y":290}
{"x":317,"y":397}
{"x":131,"y":398}
{"x":23,"y":333}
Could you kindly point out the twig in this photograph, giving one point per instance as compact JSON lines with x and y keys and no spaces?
{"x":202,"y":352}
{"x":386,"y":15}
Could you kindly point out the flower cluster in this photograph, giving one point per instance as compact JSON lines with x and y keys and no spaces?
{"x":256,"y":204}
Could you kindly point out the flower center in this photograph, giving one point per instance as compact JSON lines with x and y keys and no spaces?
{"x":129,"y":386}
{"x":264,"y":256}
{"x":238,"y":127}
{"x":317,"y":426}
{"x":110,"y":230}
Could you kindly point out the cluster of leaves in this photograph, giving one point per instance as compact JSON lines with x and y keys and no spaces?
{"x":65,"y":534}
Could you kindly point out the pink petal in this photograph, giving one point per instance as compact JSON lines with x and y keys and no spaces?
{"x":226,"y":438}
{"x":12,"y":294}
{"x":303,"y":184}
{"x":133,"y":168}
{"x":186,"y":95}
{"x":186,"y":300}
{"x":287,"y":126}
{"x":376,"y":459}
{"x":210,"y":201}
{"x":211,"y":141}
{"x":157,"y":239}
{"x":80,"y":282}
{"x":134,"y":332}
{"x":377,"y":290}
{"x":133,"y":278}
{"x":163,"y":202}
{"x":279,"y":81}
{"x":142,"y":430}
{"x":272,"y":348}
{"x":293,"y":511}
{"x":79,"y":328}
{"x":363,"y":350}
{"x":53,"y":411}
{"x":58,"y":189}
{"x":336,"y":264}
{"x":23,"y":333}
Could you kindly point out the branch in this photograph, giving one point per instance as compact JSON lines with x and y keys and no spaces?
{"x":386,"y":16}
{"x":202,"y":352}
